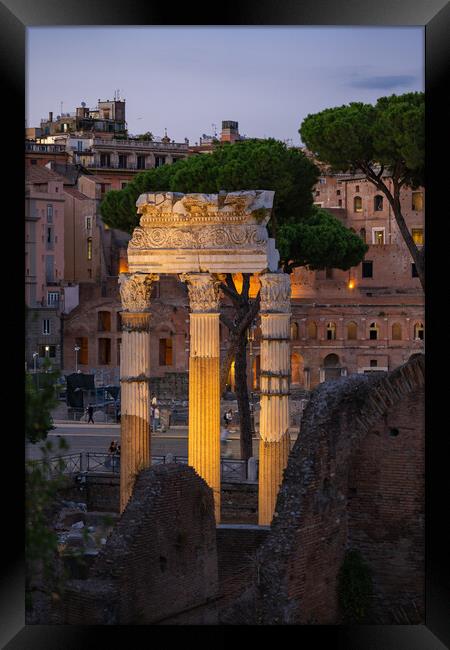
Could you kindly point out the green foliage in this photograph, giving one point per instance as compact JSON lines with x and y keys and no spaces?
{"x":355,"y":588}
{"x":43,"y":480}
{"x":250,"y":164}
{"x":391,"y":133}
{"x":40,"y":398}
{"x":320,"y":241}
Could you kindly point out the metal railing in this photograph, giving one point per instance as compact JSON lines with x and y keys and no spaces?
{"x":64,"y":464}
{"x":233,"y":471}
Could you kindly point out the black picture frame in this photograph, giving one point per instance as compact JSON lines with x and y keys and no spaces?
{"x":15,"y":17}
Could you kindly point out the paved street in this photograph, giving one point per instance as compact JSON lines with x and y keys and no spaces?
{"x":96,"y":438}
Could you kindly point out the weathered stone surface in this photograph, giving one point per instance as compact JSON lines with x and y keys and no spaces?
{"x":160,"y":559}
{"x":218,"y":233}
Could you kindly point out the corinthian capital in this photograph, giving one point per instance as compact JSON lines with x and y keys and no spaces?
{"x":204,"y":292}
{"x":135,"y":290}
{"x":275,"y":292}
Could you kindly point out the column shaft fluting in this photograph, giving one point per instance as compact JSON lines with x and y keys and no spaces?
{"x":274,"y":381}
{"x":134,"y":381}
{"x":204,"y":382}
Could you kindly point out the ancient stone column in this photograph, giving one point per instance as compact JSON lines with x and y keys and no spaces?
{"x":135,"y":292}
{"x":274,"y":379}
{"x":204,"y":380}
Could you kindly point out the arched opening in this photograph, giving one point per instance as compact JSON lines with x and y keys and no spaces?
{"x":331,"y":367}
{"x":331,"y":331}
{"x":377,"y":203}
{"x":362,"y":234}
{"x":374,"y":331}
{"x":352,"y":331}
{"x":311,"y":330}
{"x":294,"y":331}
{"x":297,"y":369}
{"x":419,"y":331}
{"x":256,"y":366}
{"x":357,"y":204}
{"x":396,"y":332}
{"x":231,"y":377}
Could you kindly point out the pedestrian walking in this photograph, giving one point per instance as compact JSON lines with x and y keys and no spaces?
{"x":111,"y":451}
{"x":224,"y":446}
{"x":90,"y":412}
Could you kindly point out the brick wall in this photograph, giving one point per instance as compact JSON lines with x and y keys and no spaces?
{"x":160,"y":559}
{"x":350,"y":483}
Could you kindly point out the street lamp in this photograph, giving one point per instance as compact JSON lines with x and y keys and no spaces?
{"x":77,"y":349}
{"x":35,"y":356}
{"x":47,"y":350}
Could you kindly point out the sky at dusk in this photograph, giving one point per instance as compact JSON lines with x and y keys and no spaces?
{"x":187,"y":79}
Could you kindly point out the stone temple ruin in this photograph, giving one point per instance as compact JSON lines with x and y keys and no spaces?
{"x":354,"y":480}
{"x":199,"y":237}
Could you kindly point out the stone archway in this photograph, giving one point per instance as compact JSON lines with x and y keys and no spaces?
{"x":297,"y":369}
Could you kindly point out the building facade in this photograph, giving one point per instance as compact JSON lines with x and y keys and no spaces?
{"x":44,"y":265}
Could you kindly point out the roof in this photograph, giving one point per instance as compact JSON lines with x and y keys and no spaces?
{"x":75,"y":193}
{"x":38,"y":174}
{"x":96,"y":179}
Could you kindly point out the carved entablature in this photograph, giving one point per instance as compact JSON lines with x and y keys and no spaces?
{"x":275,"y":292}
{"x":216,"y":233}
{"x":135,"y":290}
{"x":204,"y":292}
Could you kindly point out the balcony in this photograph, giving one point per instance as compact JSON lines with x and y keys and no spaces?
{"x":141,"y":144}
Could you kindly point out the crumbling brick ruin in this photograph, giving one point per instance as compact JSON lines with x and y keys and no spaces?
{"x":160,"y":559}
{"x":355,"y":480}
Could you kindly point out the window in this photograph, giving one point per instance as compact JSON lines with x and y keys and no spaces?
{"x":377,"y":236}
{"x":160,"y":160}
{"x":33,"y":161}
{"x":123,"y":161}
{"x":49,"y":352}
{"x":367,"y":269}
{"x":46,"y":326}
{"x":141,"y":162}
{"x":357,"y":204}
{"x":83,"y":353}
{"x":88,"y":223}
{"x":373,"y":363}
{"x":373,"y":331}
{"x":118,"y":348}
{"x":378,"y":203}
{"x":396,"y":332}
{"x":80,"y":145}
{"x":294,"y":331}
{"x":417,"y":201}
{"x":52,"y":298}
{"x":49,"y":214}
{"x":104,"y":352}
{"x":89,"y":272}
{"x":414,"y":273}
{"x":105,"y":160}
{"x":123,"y":184}
{"x":352,"y":331}
{"x":311,"y":330}
{"x":362,"y":234}
{"x":165,"y":352}
{"x":418,"y":331}
{"x":322,"y":181}
{"x":89,"y":248}
{"x":417,"y":235}
{"x":338,"y":192}
{"x":118,"y":321}
{"x":317,"y":192}
{"x":331,"y":331}
{"x":104,"y":321}
{"x":357,"y":188}
{"x":340,"y":203}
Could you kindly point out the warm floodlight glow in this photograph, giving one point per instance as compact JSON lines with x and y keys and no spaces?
{"x":351,"y":284}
